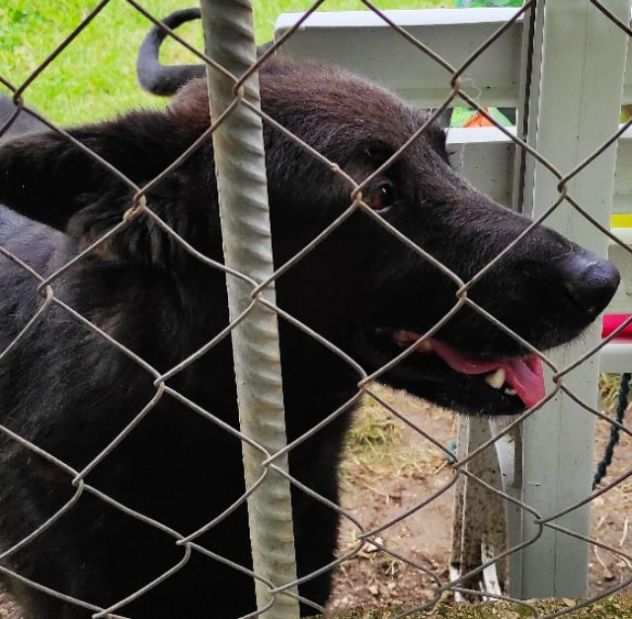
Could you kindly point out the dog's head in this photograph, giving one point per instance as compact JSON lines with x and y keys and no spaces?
{"x":368,"y":287}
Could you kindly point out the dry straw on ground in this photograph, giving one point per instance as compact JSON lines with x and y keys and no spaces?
{"x":613,"y":608}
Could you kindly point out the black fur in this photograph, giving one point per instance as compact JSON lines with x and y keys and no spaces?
{"x":70,"y":391}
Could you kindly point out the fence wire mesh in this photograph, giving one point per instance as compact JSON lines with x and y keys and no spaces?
{"x":272,"y":462}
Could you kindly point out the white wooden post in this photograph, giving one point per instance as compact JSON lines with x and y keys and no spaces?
{"x":578,"y":102}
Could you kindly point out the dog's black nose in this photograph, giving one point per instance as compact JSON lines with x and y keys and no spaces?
{"x":589,"y":281}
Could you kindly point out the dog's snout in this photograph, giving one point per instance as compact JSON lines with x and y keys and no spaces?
{"x":589,"y":281}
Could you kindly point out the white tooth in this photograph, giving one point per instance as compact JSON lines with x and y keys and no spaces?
{"x":509,"y":391}
{"x":425,"y":346}
{"x":497,"y":379}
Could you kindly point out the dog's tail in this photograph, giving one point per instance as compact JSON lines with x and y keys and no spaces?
{"x":157,"y":78}
{"x":166,"y":80}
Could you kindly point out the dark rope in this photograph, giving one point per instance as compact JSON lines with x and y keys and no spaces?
{"x":615,"y":431}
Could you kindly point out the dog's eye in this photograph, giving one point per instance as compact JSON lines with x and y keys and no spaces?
{"x":382,"y":198}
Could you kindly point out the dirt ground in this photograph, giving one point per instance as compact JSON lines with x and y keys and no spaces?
{"x":390,"y":468}
{"x":400,"y":475}
{"x":614,"y":607}
{"x":384,"y":475}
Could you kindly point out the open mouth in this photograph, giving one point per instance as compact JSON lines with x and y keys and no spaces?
{"x":497,"y":384}
{"x":521,"y":377}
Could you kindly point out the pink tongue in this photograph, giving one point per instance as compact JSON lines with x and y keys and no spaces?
{"x":523,"y":374}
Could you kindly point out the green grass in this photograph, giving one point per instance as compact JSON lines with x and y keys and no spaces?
{"x":95,"y":77}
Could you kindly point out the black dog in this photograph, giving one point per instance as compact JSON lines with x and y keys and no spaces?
{"x":70,"y":391}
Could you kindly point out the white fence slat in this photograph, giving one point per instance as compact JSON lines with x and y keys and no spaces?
{"x":366,"y":44}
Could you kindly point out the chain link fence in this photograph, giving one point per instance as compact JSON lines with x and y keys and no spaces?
{"x":237,"y":135}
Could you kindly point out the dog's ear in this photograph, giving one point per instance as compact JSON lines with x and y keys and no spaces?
{"x":48,"y":178}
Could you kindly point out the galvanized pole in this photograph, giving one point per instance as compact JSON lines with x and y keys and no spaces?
{"x":243,"y":200}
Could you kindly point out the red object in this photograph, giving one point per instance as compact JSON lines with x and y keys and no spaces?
{"x":478,"y":120}
{"x":612,"y":322}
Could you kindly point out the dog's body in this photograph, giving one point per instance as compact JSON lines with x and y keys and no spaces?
{"x":70,"y":392}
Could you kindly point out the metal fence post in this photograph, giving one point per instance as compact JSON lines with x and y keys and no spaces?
{"x":578,"y":102}
{"x":243,"y":198}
